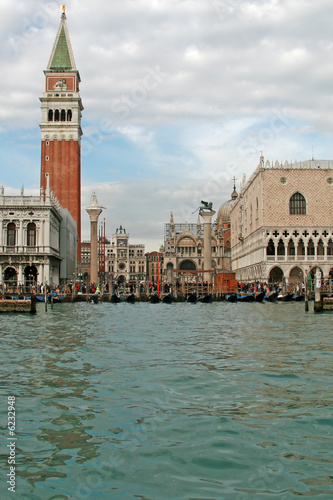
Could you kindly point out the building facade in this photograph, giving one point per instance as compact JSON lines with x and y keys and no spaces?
{"x":123,"y":262}
{"x":282,"y":222}
{"x":184,"y":246}
{"x":37,"y":241}
{"x":61,"y":127}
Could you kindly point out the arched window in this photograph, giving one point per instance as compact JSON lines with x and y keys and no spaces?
{"x":11,"y":234}
{"x":281,"y":250}
{"x":69,"y":115}
{"x":320,"y":248}
{"x":291,"y":248}
{"x":63,"y":115}
{"x":330,"y":247}
{"x":300,"y":248}
{"x":50,"y":116}
{"x":56,"y":115}
{"x":31,"y":234}
{"x":311,"y":248}
{"x":270,"y":248}
{"x":297,"y":204}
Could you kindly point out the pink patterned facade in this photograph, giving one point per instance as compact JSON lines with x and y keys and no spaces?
{"x":282,"y":222}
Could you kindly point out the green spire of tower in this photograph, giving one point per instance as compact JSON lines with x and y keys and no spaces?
{"x":62,"y":55}
{"x":61,"y":58}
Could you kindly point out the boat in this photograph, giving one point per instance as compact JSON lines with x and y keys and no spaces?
{"x":115,"y":299}
{"x":259,"y":296}
{"x":206,"y":298}
{"x":56,"y":298}
{"x":167,"y":299}
{"x":285,"y":297}
{"x":154,"y":299}
{"x":131,"y":298}
{"x":94,"y":298}
{"x":246,"y":297}
{"x":300,"y":297}
{"x":192,"y":297}
{"x":271,"y":296}
{"x":231,"y":297}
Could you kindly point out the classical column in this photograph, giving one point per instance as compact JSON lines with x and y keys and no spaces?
{"x":207,"y":256}
{"x":94,"y":211}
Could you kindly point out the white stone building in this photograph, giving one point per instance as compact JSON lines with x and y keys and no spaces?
{"x":37,"y":240}
{"x":282,"y":223}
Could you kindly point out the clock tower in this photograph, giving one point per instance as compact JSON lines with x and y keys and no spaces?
{"x":61,"y":127}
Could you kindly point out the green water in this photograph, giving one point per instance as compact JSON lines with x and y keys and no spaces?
{"x":156,"y":401}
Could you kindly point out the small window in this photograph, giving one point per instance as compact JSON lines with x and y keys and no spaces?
{"x":47,"y":158}
{"x":297,"y":204}
{"x":47,"y":143}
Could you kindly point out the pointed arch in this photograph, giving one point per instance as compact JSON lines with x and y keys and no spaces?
{"x":291,"y":250}
{"x":270,"y":250}
{"x":311,"y":248}
{"x":320,"y":247}
{"x":300,"y":248}
{"x":281,"y":249}
{"x":297,"y":204}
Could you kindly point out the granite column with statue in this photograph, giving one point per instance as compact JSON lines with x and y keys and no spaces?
{"x":94,"y":210}
{"x":207,"y":212}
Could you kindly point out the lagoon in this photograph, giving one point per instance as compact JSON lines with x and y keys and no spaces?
{"x":181,"y":401}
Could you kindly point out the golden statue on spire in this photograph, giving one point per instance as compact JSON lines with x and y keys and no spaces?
{"x":62,"y":8}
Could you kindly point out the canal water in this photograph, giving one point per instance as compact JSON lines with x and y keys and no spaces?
{"x":158,"y":402}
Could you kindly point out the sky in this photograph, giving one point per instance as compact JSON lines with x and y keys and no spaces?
{"x":179,"y":97}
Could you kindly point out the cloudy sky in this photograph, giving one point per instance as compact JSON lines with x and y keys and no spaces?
{"x":180,"y":96}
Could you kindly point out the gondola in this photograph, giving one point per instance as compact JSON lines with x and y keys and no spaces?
{"x":259,"y":296}
{"x":131,"y":298}
{"x":167,"y":299}
{"x":285,"y":297}
{"x":94,"y":299}
{"x":271,"y":296}
{"x":115,"y":299}
{"x":246,"y":297}
{"x":206,"y":298}
{"x":300,"y":297}
{"x":231,"y":297}
{"x":155,"y":299}
{"x":56,"y":298}
{"x":192,"y":297}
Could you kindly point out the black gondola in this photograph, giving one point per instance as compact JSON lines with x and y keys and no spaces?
{"x":271,"y":296}
{"x":155,"y":299}
{"x":206,"y":298}
{"x":94,"y":299}
{"x":231,"y":297}
{"x":115,"y":299}
{"x":192,"y":297}
{"x":131,"y":298}
{"x":259,"y":296}
{"x":167,"y":299}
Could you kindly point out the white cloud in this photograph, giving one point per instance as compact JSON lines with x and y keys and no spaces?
{"x":196,"y":89}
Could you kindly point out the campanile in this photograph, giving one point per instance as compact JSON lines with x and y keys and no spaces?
{"x":61,"y":127}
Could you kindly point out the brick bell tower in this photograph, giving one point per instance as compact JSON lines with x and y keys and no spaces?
{"x":61,"y":127}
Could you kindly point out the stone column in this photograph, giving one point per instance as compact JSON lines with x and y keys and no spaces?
{"x":94,"y":211}
{"x":207,"y":256}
